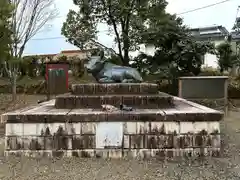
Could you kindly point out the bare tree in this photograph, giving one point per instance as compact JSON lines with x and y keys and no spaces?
{"x":28,"y":18}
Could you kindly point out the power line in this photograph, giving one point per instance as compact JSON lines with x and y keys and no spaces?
{"x":52,"y":38}
{"x":237,"y":13}
{"x":236,"y":19}
{"x":189,"y":11}
{"x":204,"y":7}
{"x":200,"y":8}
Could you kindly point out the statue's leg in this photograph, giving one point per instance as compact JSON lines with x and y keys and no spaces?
{"x":106,"y":80}
{"x":128,"y":81}
{"x":133,"y":75}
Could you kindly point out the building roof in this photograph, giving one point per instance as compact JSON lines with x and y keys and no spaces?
{"x":235,"y":35}
{"x":207,"y":28}
{"x":74,"y":51}
{"x":43,"y":55}
{"x":62,"y":52}
{"x":70,"y":51}
{"x":213,"y":32}
{"x":92,"y":41}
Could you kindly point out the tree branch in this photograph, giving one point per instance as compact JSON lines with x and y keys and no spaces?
{"x":20,"y":20}
{"x":108,"y":9}
{"x":30,"y":18}
{"x":125,"y":22}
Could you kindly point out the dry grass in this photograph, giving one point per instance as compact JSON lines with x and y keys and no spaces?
{"x":26,"y":80}
{"x":23,"y":100}
{"x":23,"y":168}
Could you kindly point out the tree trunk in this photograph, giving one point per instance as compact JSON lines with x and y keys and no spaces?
{"x":14,"y":86}
{"x":5,"y":74}
{"x":12,"y":73}
{"x":126,"y":43}
{"x":126,"y":58}
{"x":126,"y":49}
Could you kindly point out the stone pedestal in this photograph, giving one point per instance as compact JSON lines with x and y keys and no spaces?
{"x":159,"y":125}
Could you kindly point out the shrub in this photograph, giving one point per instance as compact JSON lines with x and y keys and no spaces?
{"x":209,"y":71}
{"x":77,"y":66}
{"x":60,"y":58}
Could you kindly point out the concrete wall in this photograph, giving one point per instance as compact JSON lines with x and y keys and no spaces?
{"x":114,"y":139}
{"x":200,"y":87}
{"x":211,"y":60}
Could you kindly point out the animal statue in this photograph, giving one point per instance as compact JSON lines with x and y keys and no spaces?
{"x":106,"y":72}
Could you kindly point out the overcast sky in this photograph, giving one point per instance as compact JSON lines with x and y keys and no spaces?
{"x":223,"y":14}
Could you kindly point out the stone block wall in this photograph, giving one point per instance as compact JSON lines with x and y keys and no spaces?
{"x":114,"y":139}
{"x":140,"y":101}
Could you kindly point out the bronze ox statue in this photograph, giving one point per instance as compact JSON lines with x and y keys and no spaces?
{"x":106,"y":72}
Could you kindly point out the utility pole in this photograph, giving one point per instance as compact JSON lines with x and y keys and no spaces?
{"x":236,"y":26}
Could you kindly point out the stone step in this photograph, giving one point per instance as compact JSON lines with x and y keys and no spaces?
{"x":97,"y":115}
{"x":2,"y":132}
{"x":135,"y":101}
{"x":116,"y":88}
{"x":173,"y":154}
{"x":2,"y":129}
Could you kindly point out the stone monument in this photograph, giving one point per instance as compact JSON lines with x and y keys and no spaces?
{"x":114,"y":120}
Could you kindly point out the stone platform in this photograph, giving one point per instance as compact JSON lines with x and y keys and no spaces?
{"x":74,"y":124}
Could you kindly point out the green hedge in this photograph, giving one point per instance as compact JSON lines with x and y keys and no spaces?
{"x":28,"y":85}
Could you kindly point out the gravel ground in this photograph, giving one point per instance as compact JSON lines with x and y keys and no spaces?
{"x":226,"y":167}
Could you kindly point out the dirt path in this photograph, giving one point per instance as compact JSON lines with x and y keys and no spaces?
{"x":231,"y":127}
{"x":225,"y":168}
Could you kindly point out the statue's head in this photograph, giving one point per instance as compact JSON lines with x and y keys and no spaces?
{"x":95,"y":64}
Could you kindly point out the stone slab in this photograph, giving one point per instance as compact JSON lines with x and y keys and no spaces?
{"x":98,"y":116}
{"x":204,"y":77}
{"x":116,"y":88}
{"x":183,"y":111}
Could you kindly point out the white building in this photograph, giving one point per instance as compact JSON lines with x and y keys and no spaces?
{"x":215,"y":34}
